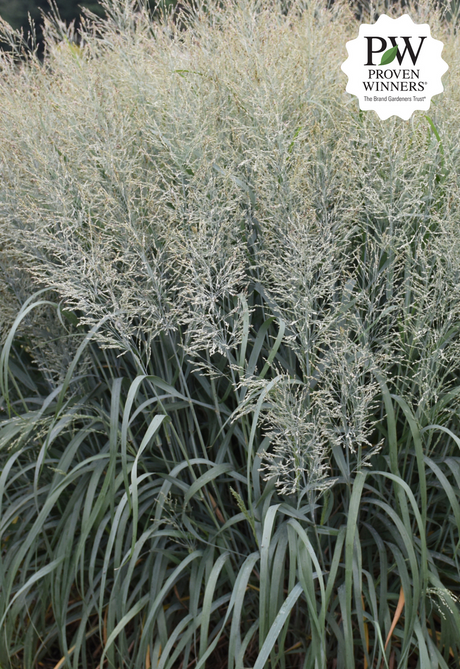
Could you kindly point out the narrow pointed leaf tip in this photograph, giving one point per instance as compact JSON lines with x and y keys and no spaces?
{"x":389,"y":55}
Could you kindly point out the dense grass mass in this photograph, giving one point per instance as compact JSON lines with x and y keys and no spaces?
{"x":230,"y":358}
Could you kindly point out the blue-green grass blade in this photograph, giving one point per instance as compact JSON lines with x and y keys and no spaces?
{"x":277,"y":626}
{"x":264,"y":595}
{"x":151,"y":431}
{"x":352,"y":524}
{"x":238,"y":598}
{"x":211,"y":582}
{"x":27,"y":307}
{"x":41,"y":573}
{"x":421,"y":526}
{"x":416,"y":436}
{"x":204,"y":479}
{"x":171,"y":580}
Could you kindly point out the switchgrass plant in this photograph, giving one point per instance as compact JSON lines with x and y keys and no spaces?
{"x":229,"y":371}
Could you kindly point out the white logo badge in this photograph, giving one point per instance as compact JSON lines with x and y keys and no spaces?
{"x":394,"y":67}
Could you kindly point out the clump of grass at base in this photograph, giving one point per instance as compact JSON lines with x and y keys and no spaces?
{"x":229,"y":373}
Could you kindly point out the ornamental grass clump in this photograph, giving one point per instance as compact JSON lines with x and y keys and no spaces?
{"x":229,"y":363}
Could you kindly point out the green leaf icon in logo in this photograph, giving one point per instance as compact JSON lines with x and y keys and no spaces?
{"x":389,"y":56}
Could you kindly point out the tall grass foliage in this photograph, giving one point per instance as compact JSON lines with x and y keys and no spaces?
{"x":229,"y":372}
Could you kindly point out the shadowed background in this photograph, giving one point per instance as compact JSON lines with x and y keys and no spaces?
{"x":16,"y":12}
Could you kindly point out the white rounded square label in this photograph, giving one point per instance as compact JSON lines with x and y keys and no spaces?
{"x":394,"y":67}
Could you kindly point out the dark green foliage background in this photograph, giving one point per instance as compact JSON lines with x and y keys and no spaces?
{"x":16,"y":12}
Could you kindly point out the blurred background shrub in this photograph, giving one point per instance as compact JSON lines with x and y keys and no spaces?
{"x":17,"y":13}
